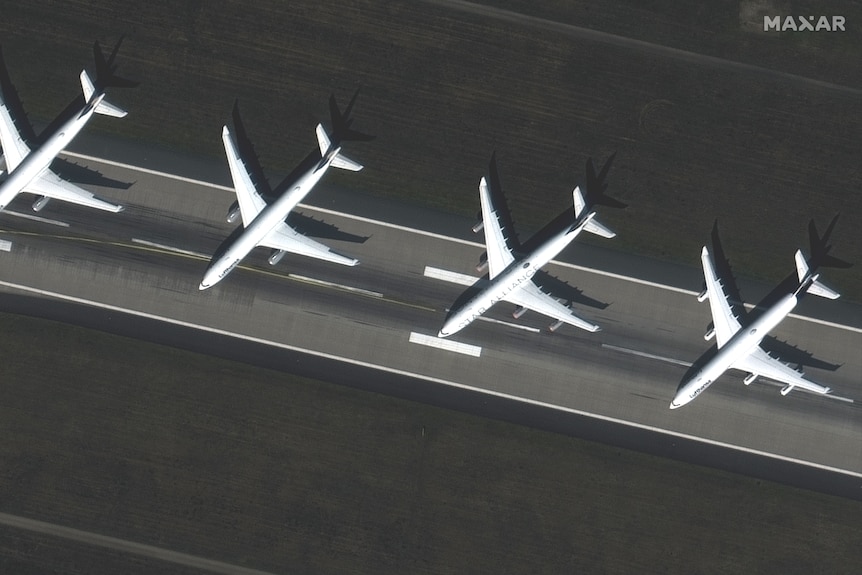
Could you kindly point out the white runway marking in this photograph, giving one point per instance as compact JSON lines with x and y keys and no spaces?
{"x":647,"y":355}
{"x":36,"y":218}
{"x":335,"y":285}
{"x":447,"y":276}
{"x":124,"y":546}
{"x":429,"y":378}
{"x":169,"y":248}
{"x":508,"y":324}
{"x":447,"y":344}
{"x":5,"y":245}
{"x":433,"y":235}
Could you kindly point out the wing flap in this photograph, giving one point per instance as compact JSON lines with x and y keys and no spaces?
{"x":250,"y":202}
{"x":529,"y":295}
{"x":51,"y":185}
{"x":284,"y":237}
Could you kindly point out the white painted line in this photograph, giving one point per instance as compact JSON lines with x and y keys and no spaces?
{"x":125,"y":546}
{"x":429,"y":234}
{"x":335,"y":285}
{"x":169,"y":248}
{"x":447,"y":276}
{"x":508,"y":324}
{"x":646,"y":355}
{"x":5,"y":245}
{"x":148,"y":171}
{"x":36,"y":218}
{"x":447,"y":344}
{"x":428,"y":378}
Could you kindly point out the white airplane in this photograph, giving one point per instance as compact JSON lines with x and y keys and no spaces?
{"x":28,"y":159}
{"x":511,"y":270}
{"x":264,"y":212}
{"x":739,"y":339}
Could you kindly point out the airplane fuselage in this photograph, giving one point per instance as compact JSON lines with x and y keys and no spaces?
{"x":264,"y":223}
{"x":510,"y":279}
{"x":39,"y":159}
{"x":739,"y":345}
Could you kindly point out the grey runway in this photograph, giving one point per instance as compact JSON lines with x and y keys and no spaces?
{"x":333,"y":311}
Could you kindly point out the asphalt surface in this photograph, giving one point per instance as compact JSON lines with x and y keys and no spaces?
{"x":94,"y":259}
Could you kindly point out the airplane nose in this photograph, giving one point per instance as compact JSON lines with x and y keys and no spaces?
{"x":442,"y":333}
{"x":202,"y":287}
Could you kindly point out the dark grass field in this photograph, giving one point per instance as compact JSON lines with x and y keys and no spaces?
{"x":270,"y":471}
{"x":442,"y":88}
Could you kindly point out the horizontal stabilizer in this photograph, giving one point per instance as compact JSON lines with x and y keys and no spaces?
{"x":344,"y":163}
{"x":109,"y":109}
{"x":821,"y":290}
{"x":595,"y":227}
{"x":322,"y":140}
{"x":102,"y":107}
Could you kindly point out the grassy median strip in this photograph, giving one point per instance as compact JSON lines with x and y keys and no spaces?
{"x":264,"y":469}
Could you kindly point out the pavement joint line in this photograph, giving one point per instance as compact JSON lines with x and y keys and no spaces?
{"x":381,"y":223}
{"x":446,"y":344}
{"x":336,"y":285}
{"x":36,"y":218}
{"x":646,"y":355}
{"x":429,"y":378}
{"x":125,"y":546}
{"x":168,"y":248}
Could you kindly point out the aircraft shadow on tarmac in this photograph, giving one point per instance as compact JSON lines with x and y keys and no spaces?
{"x":787,"y":352}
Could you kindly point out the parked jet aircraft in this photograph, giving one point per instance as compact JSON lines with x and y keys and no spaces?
{"x":739,"y":337}
{"x":28,"y":159}
{"x":511,"y":268}
{"x":264,"y":211}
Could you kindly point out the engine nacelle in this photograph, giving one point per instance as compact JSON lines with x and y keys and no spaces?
{"x":233,"y":212}
{"x":556,"y":325}
{"x":702,"y":296}
{"x":709,"y":334}
{"x":482,"y":267}
{"x":275,"y":257}
{"x":749,"y":379}
{"x":41,"y":203}
{"x":478,"y":227}
{"x":519,"y":311}
{"x":787,"y":389}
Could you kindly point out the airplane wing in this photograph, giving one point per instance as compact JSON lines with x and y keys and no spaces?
{"x":529,"y":295}
{"x":726,"y":323}
{"x":251,"y":203}
{"x":51,"y":185}
{"x":761,"y":363}
{"x":496,"y":235}
{"x":15,"y":149}
{"x":284,"y":237}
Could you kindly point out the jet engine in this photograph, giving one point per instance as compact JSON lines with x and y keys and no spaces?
{"x":41,"y":203}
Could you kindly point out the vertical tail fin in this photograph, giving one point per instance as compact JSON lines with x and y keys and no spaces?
{"x":803,"y":272}
{"x":801,"y":266}
{"x":322,"y":140}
